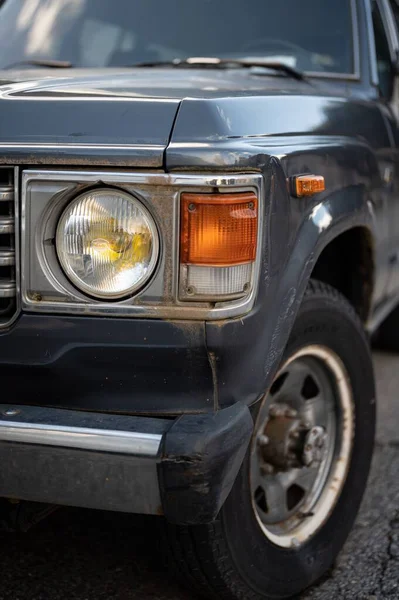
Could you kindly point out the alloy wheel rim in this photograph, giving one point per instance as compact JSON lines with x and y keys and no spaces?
{"x":301,"y":448}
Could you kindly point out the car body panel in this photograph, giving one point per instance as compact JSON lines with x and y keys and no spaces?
{"x":227,"y":130}
{"x":201,"y":375}
{"x":70,"y":123}
{"x":213,"y":121}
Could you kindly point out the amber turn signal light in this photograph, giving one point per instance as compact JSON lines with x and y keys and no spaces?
{"x":218,"y":229}
{"x":308,"y":185}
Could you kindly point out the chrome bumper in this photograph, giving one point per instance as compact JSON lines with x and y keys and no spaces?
{"x":120,"y":442}
{"x":182,"y":468}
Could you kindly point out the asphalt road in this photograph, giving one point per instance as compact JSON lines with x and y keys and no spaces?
{"x":89,"y":555}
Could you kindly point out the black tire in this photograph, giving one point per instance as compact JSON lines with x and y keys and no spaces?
{"x":387,"y":337}
{"x":232,"y":559}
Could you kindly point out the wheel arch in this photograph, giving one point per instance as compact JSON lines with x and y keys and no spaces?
{"x":347,"y":264}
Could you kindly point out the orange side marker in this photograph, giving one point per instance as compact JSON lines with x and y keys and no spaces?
{"x":307,"y":185}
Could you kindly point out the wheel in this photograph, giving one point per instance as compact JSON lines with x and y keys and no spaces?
{"x":387,"y":337}
{"x":301,"y":484}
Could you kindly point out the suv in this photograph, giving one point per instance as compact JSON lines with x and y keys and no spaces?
{"x":199,"y":231}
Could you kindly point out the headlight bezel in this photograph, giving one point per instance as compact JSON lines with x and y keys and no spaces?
{"x":45,"y":289}
{"x":66,"y":268}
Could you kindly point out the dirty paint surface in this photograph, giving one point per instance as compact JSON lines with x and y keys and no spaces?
{"x":89,"y":555}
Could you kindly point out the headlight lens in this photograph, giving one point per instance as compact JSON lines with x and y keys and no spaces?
{"x":107,"y":243}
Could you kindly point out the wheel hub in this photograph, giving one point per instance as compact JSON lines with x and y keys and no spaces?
{"x":300,"y":453}
{"x":288,"y":442}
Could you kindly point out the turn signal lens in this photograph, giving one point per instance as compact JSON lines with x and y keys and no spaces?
{"x":219,"y":229}
{"x":219,"y":234}
{"x":308,"y":185}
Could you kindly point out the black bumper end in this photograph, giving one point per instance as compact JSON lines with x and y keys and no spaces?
{"x":202,"y":455}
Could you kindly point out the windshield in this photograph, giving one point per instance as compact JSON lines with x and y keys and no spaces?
{"x":310,"y":35}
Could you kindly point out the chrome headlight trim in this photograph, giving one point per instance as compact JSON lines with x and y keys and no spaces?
{"x":160,"y":193}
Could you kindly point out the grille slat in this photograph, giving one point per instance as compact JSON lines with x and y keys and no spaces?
{"x":7,"y":289}
{"x":6,"y":193}
{"x":8,"y":272}
{"x":7,"y":258}
{"x":6,"y":225}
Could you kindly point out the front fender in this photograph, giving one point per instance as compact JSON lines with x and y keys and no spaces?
{"x":248,"y":350}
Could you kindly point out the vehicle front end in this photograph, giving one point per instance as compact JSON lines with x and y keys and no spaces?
{"x":109,"y":279}
{"x":176,"y":338}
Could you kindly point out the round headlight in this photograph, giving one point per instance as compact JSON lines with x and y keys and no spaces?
{"x":107,"y":243}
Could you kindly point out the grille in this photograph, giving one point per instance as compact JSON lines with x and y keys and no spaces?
{"x":8,"y":301}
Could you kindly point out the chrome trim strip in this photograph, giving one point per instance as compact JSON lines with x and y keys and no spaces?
{"x":165,"y":308}
{"x":100,"y":440}
{"x":6,"y":224}
{"x":7,"y":289}
{"x":7,"y":258}
{"x":143,"y":177}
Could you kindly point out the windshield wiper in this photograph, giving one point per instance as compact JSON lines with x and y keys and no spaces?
{"x":225,"y":63}
{"x":51,"y":64}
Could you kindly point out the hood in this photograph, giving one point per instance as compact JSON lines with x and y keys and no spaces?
{"x":113,"y":113}
{"x":171,"y":83}
{"x":85,"y":116}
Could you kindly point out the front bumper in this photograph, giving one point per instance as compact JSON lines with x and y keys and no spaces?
{"x":182,"y":468}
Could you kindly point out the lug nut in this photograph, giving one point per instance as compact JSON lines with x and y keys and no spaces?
{"x":263,"y":440}
{"x":267,"y":469}
{"x":291,"y":413}
{"x":294,"y":435}
{"x":274,"y":411}
{"x":277,"y":411}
